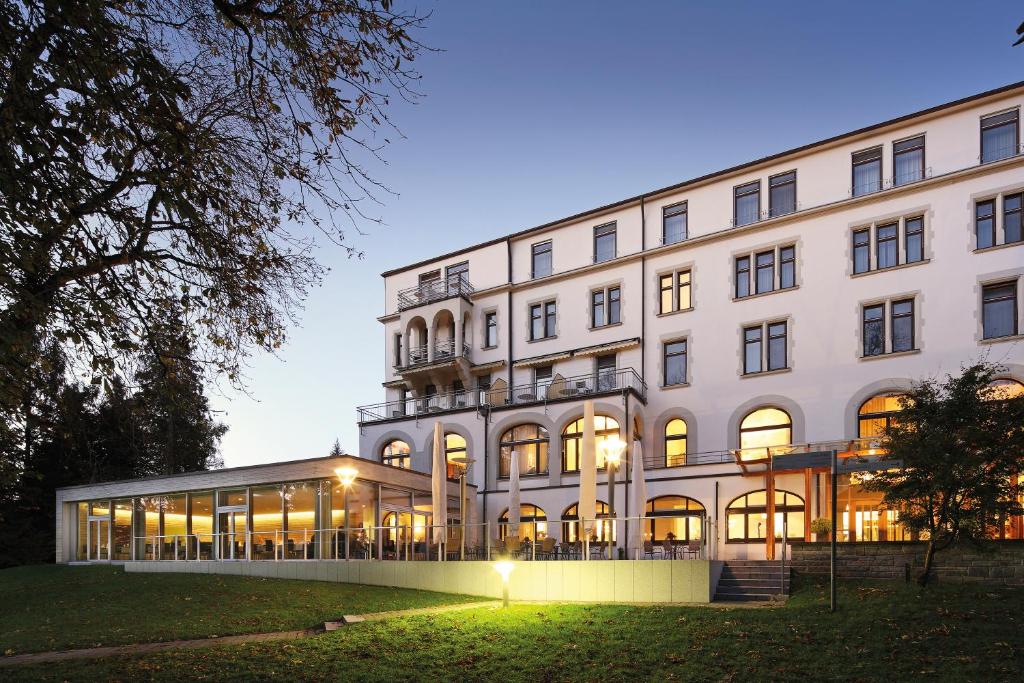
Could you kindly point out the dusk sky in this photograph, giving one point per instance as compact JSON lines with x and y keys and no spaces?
{"x":534,"y":111}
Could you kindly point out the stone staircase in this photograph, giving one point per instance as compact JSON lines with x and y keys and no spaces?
{"x":749,"y":580}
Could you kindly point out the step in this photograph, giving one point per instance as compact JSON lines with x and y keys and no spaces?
{"x":751,"y":584}
{"x":745,"y":597}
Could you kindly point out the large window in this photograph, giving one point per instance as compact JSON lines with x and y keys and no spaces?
{"x":541,"y":259}
{"x":999,"y":136}
{"x":867,"y":171}
{"x":985,"y":223}
{"x":908,"y":161}
{"x":1012,"y":217}
{"x":761,"y":357}
{"x":542,"y":320}
{"x":530,"y":444}
{"x":782,"y":194}
{"x":747,"y":517}
{"x":742,"y":276}
{"x":874,"y":330}
{"x":887,"y":252}
{"x":676,"y":518}
{"x":914,"y":239}
{"x":675,"y":442}
{"x":604,"y":242}
{"x":746,"y":203}
{"x":673,"y":223}
{"x":766,"y":277}
{"x":396,"y":454}
{"x":533,"y":523}
{"x":490,"y":329}
{"x":877,"y":413}
{"x":606,"y":307}
{"x":999,"y":310}
{"x":674,"y":360}
{"x":572,"y":441}
{"x":763,"y":429}
{"x":455,"y":453}
{"x":765,"y":272}
{"x":861,"y":251}
{"x":674,"y":291}
{"x":571,"y":532}
{"x":901,"y":323}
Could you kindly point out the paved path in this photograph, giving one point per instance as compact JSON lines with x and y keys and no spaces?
{"x":147,"y":648}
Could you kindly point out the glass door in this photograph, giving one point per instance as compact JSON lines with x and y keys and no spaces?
{"x":99,"y":539}
{"x":231,"y":527}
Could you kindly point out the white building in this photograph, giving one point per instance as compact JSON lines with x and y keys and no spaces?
{"x":779,"y":303}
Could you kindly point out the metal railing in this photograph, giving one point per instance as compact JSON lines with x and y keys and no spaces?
{"x":434,"y":290}
{"x":557,"y":388}
{"x":443,"y":351}
{"x":1000,"y":153}
{"x":655,"y":460}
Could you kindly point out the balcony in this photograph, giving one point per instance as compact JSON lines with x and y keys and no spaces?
{"x":558,"y":388}
{"x":444,"y":352}
{"x":434,"y":290}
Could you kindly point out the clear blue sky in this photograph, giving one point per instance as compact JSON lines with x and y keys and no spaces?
{"x":535,"y":111}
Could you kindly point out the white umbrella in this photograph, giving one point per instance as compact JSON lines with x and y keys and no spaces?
{"x":639,"y":494}
{"x":439,"y":486}
{"x":588,"y":471}
{"x":513,"y":495}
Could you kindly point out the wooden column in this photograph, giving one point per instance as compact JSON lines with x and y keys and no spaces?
{"x":807,"y":504}
{"x":769,"y":533}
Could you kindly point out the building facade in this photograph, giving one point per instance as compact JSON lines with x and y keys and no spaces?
{"x":776,"y":307}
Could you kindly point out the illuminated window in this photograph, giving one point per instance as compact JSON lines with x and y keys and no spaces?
{"x":455,"y":452}
{"x":530,"y":443}
{"x":1005,"y":389}
{"x":571,"y":529}
{"x":533,"y":523}
{"x":876,"y":414}
{"x":675,"y":442}
{"x":572,"y":441}
{"x":747,"y":517}
{"x":763,"y":429}
{"x":396,"y":454}
{"x":677,"y":515}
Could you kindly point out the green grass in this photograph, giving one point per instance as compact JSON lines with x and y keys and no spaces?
{"x":883,"y":631}
{"x":54,"y":607}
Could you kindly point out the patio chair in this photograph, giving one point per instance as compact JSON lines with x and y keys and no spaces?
{"x":668,"y":549}
{"x":693,"y":549}
{"x":513,"y":546}
{"x":650,"y":549}
{"x":547,"y":548}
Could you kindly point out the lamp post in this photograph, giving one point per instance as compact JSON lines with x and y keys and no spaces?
{"x":612,"y":447}
{"x":463,"y":462}
{"x":504,"y":568}
{"x":346,"y":475}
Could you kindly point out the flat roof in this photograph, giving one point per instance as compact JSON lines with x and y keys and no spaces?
{"x":710,"y":176}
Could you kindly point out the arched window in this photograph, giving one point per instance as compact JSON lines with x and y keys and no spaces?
{"x":571,"y":529}
{"x":530,"y":442}
{"x":1005,"y":389}
{"x":747,"y":517}
{"x":454,"y":448}
{"x":876,"y":414}
{"x":675,"y":442}
{"x":572,"y":441}
{"x":396,"y":454}
{"x":762,"y":429}
{"x":533,"y":523}
{"x":677,"y":515}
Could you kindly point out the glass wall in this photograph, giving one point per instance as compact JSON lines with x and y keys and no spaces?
{"x":201,"y":525}
{"x":300,"y":516}
{"x":122,"y":529}
{"x":267,"y":522}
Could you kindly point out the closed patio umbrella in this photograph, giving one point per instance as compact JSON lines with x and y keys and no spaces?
{"x":439,"y":486}
{"x":513,"y":495}
{"x":638,"y":494}
{"x":588,"y":471}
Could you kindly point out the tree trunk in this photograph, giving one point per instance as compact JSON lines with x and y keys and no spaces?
{"x":929,"y":558}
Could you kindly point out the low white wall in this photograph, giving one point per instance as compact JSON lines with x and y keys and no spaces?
{"x":653,"y":581}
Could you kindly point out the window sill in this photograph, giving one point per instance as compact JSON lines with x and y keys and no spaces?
{"x":594,"y":328}
{"x":526,"y":476}
{"x":541,"y":339}
{"x":1007,"y":338}
{"x":488,"y":348}
{"x":891,"y":354}
{"x":901,"y":266}
{"x":764,"y":294}
{"x":997,"y":247}
{"x":748,"y":375}
{"x":668,"y":313}
{"x":681,"y":385}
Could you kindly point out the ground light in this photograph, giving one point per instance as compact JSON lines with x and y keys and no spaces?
{"x":346,"y":476}
{"x":504,"y":568}
{"x":613,"y":447}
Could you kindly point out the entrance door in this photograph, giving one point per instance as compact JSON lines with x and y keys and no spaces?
{"x":98,"y":548}
{"x":231,"y":527}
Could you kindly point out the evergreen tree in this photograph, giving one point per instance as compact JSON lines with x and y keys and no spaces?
{"x":336,"y":449}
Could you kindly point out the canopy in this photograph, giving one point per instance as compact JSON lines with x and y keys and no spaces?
{"x":439,"y":486}
{"x":638,"y":494}
{"x":588,"y":471}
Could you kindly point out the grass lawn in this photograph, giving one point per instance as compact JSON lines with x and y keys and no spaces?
{"x":54,"y":607}
{"x":884,"y":631}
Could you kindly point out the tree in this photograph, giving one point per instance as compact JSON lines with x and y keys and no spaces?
{"x":956,"y":453}
{"x":337,"y":450}
{"x":185,"y":151}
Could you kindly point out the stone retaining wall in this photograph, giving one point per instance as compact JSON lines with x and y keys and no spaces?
{"x":997,"y":563}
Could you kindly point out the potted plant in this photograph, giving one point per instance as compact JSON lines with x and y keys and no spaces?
{"x":822,"y":528}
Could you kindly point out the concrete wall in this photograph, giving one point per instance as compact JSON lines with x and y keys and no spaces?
{"x":650,"y":581}
{"x":993,"y":563}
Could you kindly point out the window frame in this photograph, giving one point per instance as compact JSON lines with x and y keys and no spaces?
{"x":991,"y":217}
{"x":765,"y":337}
{"x":542,"y":436}
{"x":919,"y":232}
{"x":866,"y":246}
{"x":546,"y":313}
{"x":879,"y":242}
{"x":737,"y":194}
{"x":610,"y":302}
{"x":879,"y":321}
{"x":676,"y":286}
{"x":854,"y":163}
{"x":772,"y":212}
{"x":671,"y":211}
{"x":684,"y":437}
{"x":1014,"y":285}
{"x":894,"y":317}
{"x":603,"y":433}
{"x":666,"y":355}
{"x":747,"y":510}
{"x":603,"y":231}
{"x":743,"y":272}
{"x":1016,"y":133}
{"x":897,"y":153}
{"x":388,"y":458}
{"x":490,"y":325}
{"x":538,"y":250}
{"x":747,"y":267}
{"x":1019,"y":212}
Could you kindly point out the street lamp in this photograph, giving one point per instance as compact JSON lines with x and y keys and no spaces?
{"x":612,"y":447}
{"x":346,"y":476}
{"x":504,"y":568}
{"x":463,"y":461}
